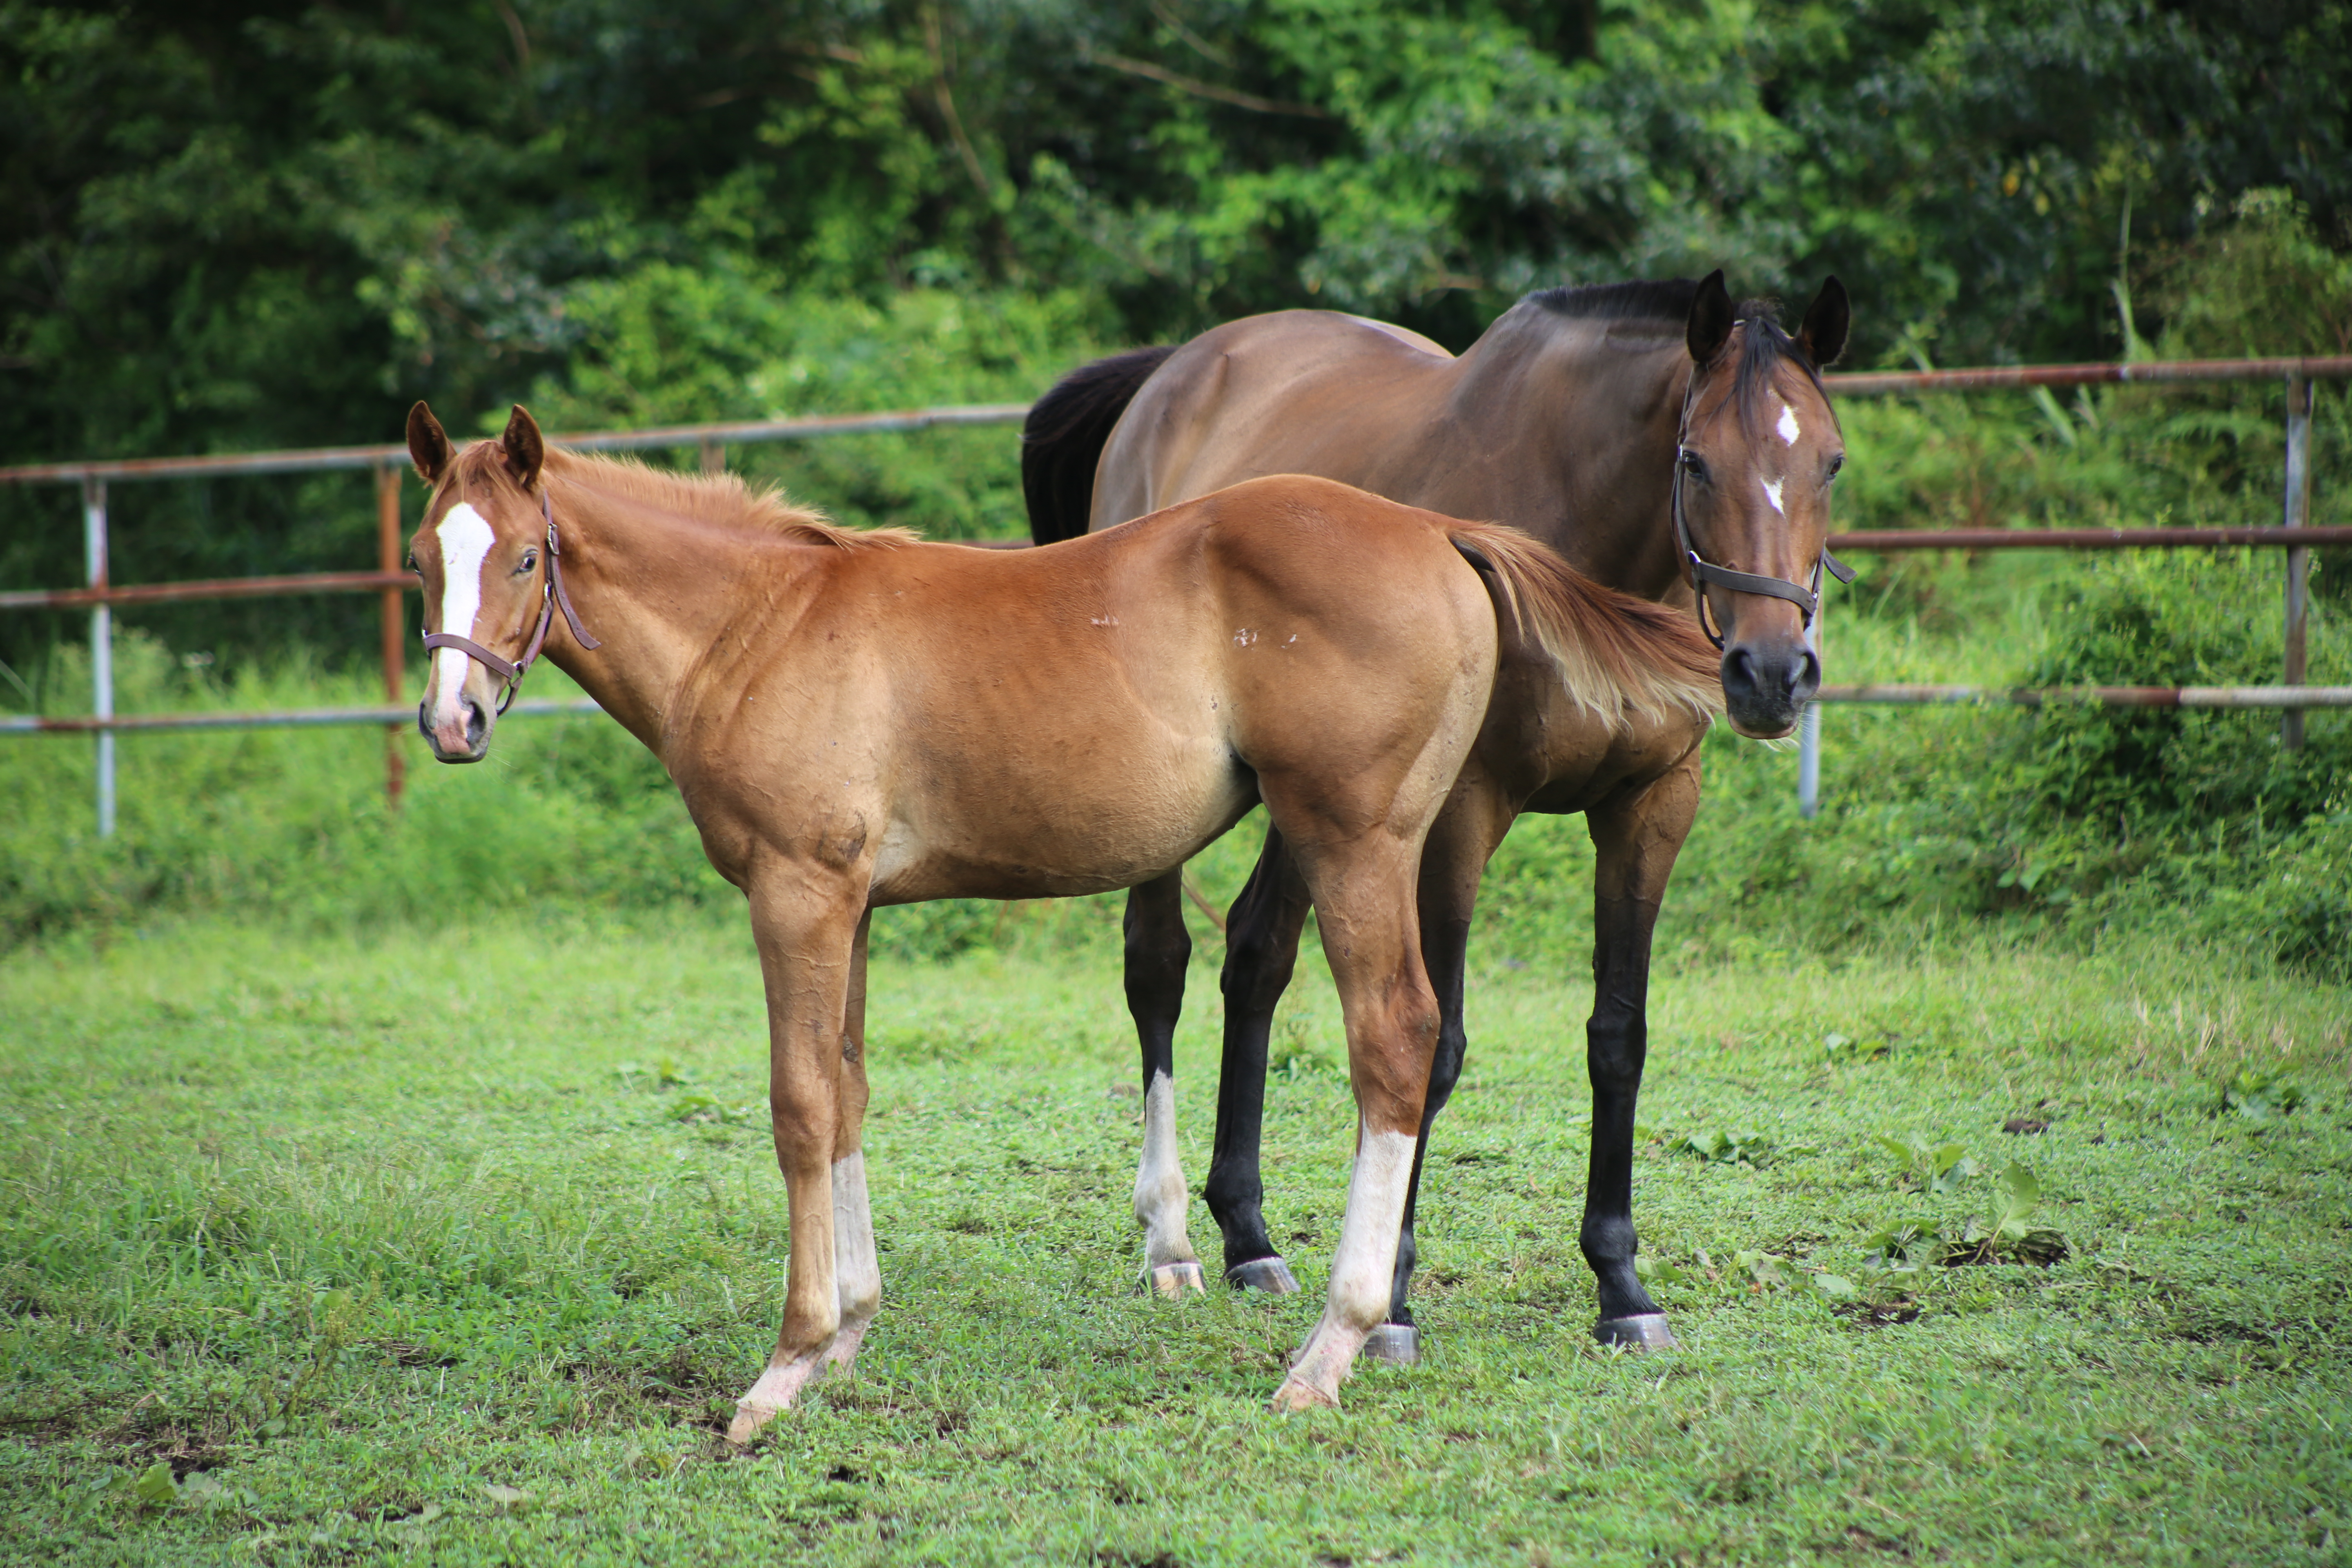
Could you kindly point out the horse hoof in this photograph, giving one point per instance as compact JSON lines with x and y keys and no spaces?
{"x":1171,"y":1281}
{"x":1399,"y":1344}
{"x":1271,"y":1275}
{"x":1642,"y":1332}
{"x":749,"y":1419}
{"x":1295,"y":1396}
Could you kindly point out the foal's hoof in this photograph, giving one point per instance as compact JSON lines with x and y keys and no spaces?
{"x":1295,"y":1396}
{"x":1171,"y":1281}
{"x":1271,"y":1275}
{"x":1397,"y":1345}
{"x":1642,"y":1332}
{"x":749,"y":1419}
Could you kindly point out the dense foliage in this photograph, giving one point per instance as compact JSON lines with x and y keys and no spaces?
{"x":230,"y":227}
{"x":236,"y":226}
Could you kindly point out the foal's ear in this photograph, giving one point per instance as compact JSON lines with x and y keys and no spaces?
{"x":1710,"y":318}
{"x":1827,"y":321}
{"x":524,"y":449}
{"x":429,"y":444}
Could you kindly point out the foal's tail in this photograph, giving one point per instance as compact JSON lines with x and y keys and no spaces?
{"x":1615,"y":654}
{"x":1063,"y":438}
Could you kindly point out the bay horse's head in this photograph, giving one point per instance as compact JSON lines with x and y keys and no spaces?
{"x":487,"y":587}
{"x":1758,"y":449}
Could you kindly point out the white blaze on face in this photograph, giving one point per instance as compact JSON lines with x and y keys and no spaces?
{"x":1788,"y":425}
{"x":1772,"y":494}
{"x":465,"y":540}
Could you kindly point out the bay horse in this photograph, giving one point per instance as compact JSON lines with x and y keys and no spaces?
{"x":1665,"y":441}
{"x":858,"y":720}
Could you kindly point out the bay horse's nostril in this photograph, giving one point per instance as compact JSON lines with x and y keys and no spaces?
{"x":478,"y":723}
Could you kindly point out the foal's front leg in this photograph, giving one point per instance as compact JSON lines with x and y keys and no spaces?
{"x":806,"y":924}
{"x":1158,"y":950}
{"x":1635,"y":837}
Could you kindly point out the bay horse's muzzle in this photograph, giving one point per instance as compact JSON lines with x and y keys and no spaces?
{"x":1767,"y":684}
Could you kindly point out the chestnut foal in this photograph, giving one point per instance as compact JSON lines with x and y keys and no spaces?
{"x":861,"y":718}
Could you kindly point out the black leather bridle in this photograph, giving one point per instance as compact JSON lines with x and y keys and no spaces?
{"x":1806,"y":596}
{"x":551,"y":596}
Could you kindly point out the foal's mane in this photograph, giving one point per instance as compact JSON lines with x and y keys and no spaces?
{"x":1666,"y":302}
{"x":721,"y":498}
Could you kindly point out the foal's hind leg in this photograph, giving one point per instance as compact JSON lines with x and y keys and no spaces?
{"x":1635,"y":837}
{"x":1363,"y":902}
{"x":1261,"y":951}
{"x":1157,"y":949}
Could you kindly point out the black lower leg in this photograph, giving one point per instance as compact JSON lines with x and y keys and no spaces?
{"x":1445,"y":950}
{"x":1261,"y":950}
{"x":1616,"y":1044}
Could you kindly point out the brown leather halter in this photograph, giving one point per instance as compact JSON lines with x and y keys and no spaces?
{"x":551,"y":596}
{"x":1806,"y":595}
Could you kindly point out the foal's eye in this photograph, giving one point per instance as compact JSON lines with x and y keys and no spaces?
{"x":529,"y":563}
{"x":412,"y":561}
{"x":1835,"y":464}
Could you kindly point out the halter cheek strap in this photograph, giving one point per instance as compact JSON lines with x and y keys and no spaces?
{"x":1806,"y":595}
{"x":551,"y":596}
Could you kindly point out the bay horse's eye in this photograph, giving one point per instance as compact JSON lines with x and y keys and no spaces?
{"x":1836,"y":463}
{"x":529,"y":563}
{"x":1694,"y":464}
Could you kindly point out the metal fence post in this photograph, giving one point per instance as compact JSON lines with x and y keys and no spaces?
{"x":396,"y":625}
{"x":101,"y":645}
{"x":2298,"y":560}
{"x":1809,"y":727}
{"x":714,"y":457}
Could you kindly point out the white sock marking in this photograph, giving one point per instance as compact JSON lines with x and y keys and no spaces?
{"x":465,"y":540}
{"x":1363,"y":1272}
{"x":1160,"y":1199}
{"x":857,"y":1276}
{"x":1772,"y":494}
{"x":1788,"y":425}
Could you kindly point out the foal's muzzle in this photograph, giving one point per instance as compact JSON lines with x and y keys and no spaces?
{"x":1765,"y":686}
{"x":476,"y":733}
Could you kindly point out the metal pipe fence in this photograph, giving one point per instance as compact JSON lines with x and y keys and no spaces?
{"x":99,"y":593}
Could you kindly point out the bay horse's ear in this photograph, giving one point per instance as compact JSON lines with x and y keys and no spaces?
{"x":429,"y":444}
{"x":1710,"y":318}
{"x":525,"y":449}
{"x":1827,"y":321}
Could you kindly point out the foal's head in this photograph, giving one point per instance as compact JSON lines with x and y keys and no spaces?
{"x":480,"y":553}
{"x":1758,"y":451}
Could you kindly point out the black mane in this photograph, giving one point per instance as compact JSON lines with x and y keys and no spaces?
{"x":1660,"y":299}
{"x":1668,"y":300}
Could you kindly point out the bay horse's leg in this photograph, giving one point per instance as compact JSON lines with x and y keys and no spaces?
{"x":857,"y":1269}
{"x":1363,"y":893}
{"x":806,"y":924}
{"x":1261,"y":951}
{"x":1157,"y":949}
{"x":1635,"y":837}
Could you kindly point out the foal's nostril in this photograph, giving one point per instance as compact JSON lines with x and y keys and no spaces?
{"x":476,"y":723}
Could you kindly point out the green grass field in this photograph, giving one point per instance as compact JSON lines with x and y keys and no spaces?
{"x":454,"y":1247}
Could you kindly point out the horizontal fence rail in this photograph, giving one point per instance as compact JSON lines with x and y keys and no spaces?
{"x":284,"y":719}
{"x":2099,"y":696}
{"x":101,"y":594}
{"x":324,"y":459}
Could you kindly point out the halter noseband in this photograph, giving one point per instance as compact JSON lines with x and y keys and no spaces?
{"x":552,"y":594}
{"x":1806,"y":596}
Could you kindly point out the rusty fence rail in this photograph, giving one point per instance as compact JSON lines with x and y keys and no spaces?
{"x":99,"y":593}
